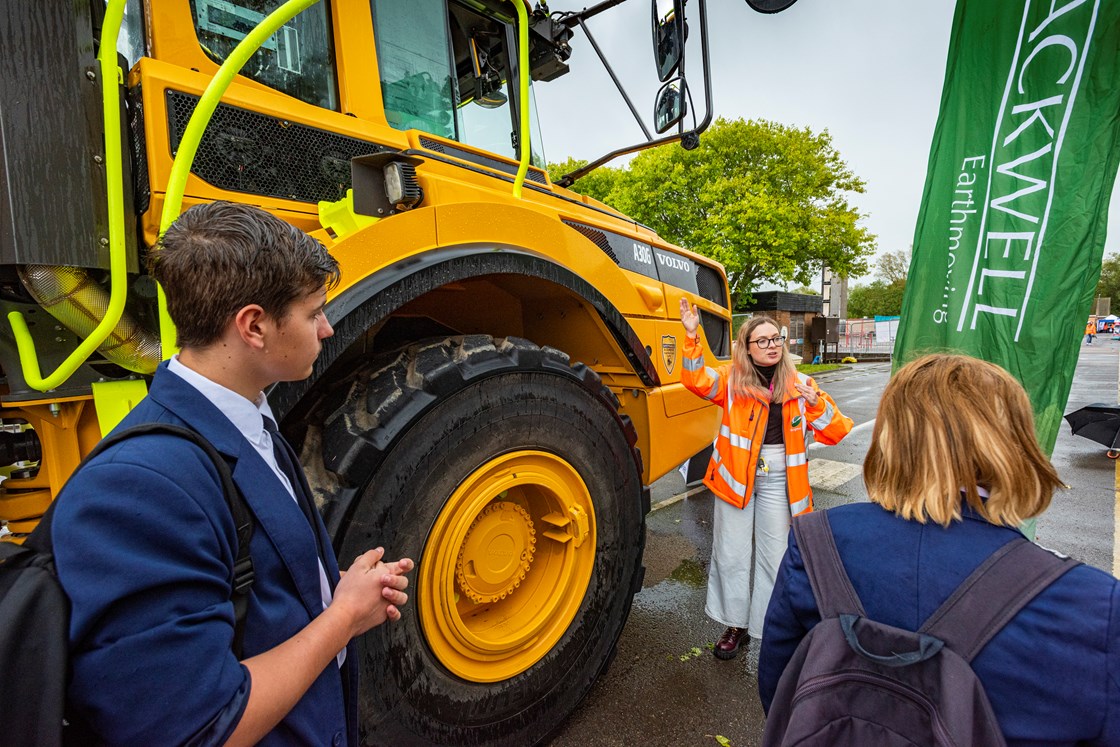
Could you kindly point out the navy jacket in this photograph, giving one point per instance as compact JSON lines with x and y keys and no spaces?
{"x":144,"y":544}
{"x":1052,"y":674}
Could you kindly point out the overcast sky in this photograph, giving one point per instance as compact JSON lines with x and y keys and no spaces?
{"x":868,"y":71}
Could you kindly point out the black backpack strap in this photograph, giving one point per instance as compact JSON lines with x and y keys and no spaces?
{"x":993,"y":594}
{"x":831,"y":586}
{"x":243,"y":574}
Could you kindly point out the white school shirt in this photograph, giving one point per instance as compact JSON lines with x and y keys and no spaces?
{"x":246,"y":417}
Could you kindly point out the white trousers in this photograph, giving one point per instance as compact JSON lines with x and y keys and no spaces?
{"x":762,"y":525}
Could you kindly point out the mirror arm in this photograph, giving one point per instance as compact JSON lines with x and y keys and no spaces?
{"x":569,"y":179}
{"x":573,"y":19}
{"x":617,"y":83}
{"x":708,"y":110}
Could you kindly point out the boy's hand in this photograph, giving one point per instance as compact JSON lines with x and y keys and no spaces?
{"x":372,"y":591}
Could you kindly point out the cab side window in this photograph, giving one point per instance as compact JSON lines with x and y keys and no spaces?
{"x":297,"y":60}
{"x":414,"y":58}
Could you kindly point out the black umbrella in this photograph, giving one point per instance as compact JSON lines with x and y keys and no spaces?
{"x":1098,"y":422}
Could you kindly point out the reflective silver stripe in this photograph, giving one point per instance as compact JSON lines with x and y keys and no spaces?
{"x":797,"y":460}
{"x":822,"y":422}
{"x":739,"y":442}
{"x":801,"y":505}
{"x":715,"y":383}
{"x":693,"y":364}
{"x":739,"y":488}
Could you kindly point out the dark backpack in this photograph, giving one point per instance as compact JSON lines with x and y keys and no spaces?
{"x":854,"y":681}
{"x":35,"y":613}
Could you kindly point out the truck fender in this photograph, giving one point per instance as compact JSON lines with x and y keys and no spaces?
{"x":378,"y":295}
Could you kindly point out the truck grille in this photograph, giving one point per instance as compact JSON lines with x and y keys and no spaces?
{"x":533,"y":174}
{"x":244,"y":151}
{"x":710,"y":285}
{"x":718,"y":332}
{"x":597,"y":237}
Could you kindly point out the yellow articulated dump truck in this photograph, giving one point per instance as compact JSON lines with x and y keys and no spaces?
{"x":503,"y":381}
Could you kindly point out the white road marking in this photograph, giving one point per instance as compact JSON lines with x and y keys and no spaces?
{"x":855,"y":429}
{"x":825,"y":474}
{"x":677,"y":498}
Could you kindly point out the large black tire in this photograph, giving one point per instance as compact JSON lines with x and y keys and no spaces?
{"x":437,"y":439}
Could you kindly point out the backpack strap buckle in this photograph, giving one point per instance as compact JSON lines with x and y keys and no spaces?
{"x":243,"y":575}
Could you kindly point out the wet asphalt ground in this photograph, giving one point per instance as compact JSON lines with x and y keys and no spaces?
{"x":664,"y":687}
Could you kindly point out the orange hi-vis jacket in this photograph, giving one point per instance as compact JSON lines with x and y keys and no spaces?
{"x":731,"y":472}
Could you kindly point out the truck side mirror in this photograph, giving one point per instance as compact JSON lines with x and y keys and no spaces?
{"x":770,"y":6}
{"x":670,"y":106}
{"x":668,"y":36}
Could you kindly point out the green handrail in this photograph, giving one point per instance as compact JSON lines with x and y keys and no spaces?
{"x":192,"y":135}
{"x":523,"y":93}
{"x":111,"y":77}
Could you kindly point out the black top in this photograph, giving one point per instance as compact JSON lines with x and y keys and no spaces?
{"x":774,"y":421}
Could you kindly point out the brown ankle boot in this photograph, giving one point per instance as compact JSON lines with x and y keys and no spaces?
{"x":728,"y":644}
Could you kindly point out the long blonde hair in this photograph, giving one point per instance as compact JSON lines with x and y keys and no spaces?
{"x":949,"y":424}
{"x":745,"y":380}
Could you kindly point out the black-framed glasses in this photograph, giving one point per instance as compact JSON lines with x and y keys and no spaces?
{"x":766,"y":342}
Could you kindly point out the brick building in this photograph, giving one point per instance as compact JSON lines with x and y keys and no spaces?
{"x":795,"y":312}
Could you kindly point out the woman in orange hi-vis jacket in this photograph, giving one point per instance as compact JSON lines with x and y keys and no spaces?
{"x":759,"y":470}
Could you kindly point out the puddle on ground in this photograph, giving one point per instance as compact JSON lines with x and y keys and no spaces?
{"x":689,"y":572}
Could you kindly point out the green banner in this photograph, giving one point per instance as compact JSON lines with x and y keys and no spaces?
{"x":1008,"y":245}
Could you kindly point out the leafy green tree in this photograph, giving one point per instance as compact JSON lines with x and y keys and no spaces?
{"x":877,"y":298}
{"x":805,"y":290}
{"x":1109,"y":285}
{"x":768,"y":201}
{"x":882,"y":296}
{"x":598,"y":184}
{"x":893,"y":266}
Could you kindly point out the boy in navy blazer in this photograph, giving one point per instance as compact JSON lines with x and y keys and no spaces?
{"x":145,"y":542}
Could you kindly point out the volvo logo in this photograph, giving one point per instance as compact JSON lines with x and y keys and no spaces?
{"x":673,"y":262}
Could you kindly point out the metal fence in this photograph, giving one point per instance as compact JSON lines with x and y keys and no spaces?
{"x":863,"y":337}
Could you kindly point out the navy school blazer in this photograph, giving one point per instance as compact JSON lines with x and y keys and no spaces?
{"x":144,"y":545}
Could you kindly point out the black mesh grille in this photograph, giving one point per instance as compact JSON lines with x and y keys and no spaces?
{"x":142,"y":191}
{"x":596,"y":236}
{"x":430,"y":144}
{"x":244,"y":151}
{"x":533,"y":175}
{"x":718,"y":332}
{"x":710,"y":285}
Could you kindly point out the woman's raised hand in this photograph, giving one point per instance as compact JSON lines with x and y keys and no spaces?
{"x":689,"y":318}
{"x":808,"y":393}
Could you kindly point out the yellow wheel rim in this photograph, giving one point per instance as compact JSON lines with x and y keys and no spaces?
{"x":506,"y":565}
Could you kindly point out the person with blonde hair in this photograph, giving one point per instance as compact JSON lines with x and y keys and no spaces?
{"x":759,"y":471}
{"x":953,"y":468}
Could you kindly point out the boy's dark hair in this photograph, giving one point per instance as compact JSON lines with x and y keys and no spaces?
{"x":219,"y":257}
